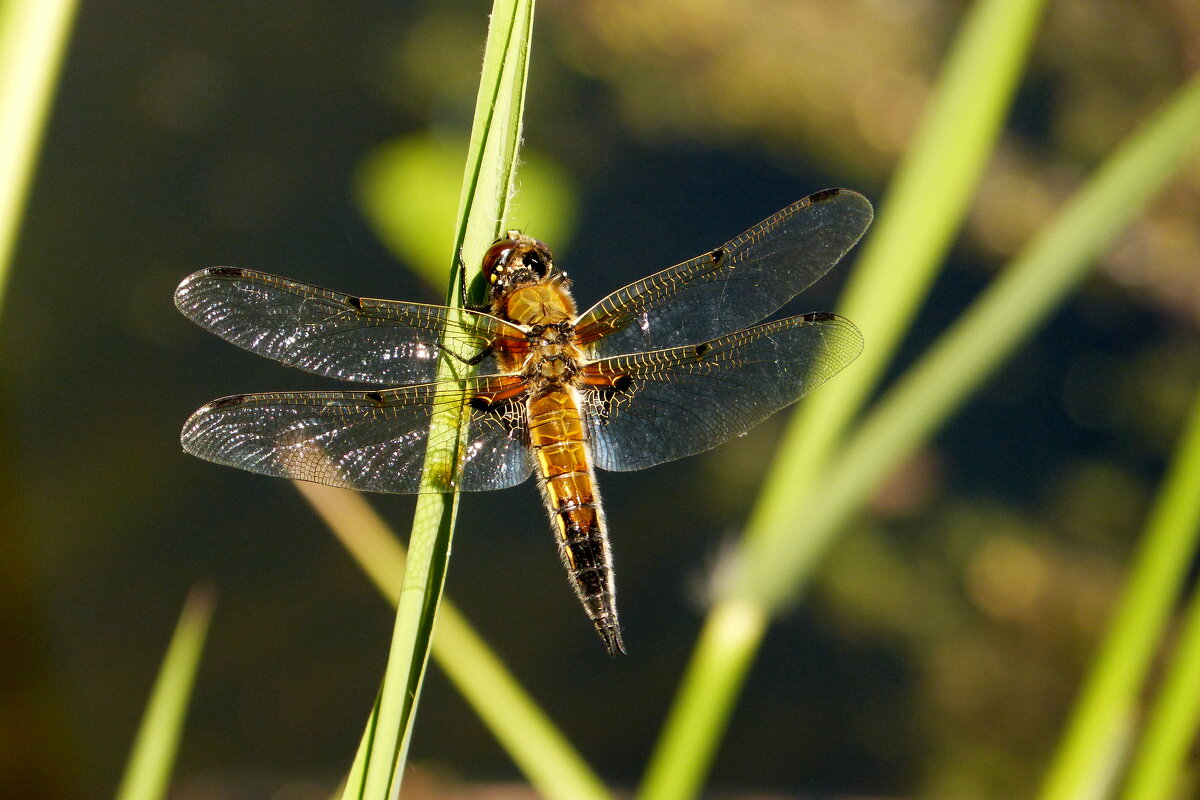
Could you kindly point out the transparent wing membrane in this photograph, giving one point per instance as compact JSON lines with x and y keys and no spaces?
{"x":650,"y":393}
{"x":733,"y":286}
{"x":338,"y":335}
{"x":373,"y":441}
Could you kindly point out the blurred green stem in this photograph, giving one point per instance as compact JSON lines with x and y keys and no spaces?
{"x":1051,"y":265}
{"x":33,"y":35}
{"x":153,"y":756}
{"x":539,"y":749}
{"x":1109,"y":698}
{"x":919,"y":217}
{"x":1175,"y":716}
{"x":921,"y":213}
{"x":1037,"y":280}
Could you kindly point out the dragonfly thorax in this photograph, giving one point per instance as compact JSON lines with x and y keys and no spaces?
{"x":554,"y":358}
{"x":544,"y":305}
{"x":558,"y":335}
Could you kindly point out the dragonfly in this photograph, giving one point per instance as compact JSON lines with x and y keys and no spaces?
{"x":671,"y":365}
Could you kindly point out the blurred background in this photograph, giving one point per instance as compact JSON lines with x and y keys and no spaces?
{"x":945,"y":637}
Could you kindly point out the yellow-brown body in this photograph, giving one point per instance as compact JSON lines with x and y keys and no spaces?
{"x":550,"y":364}
{"x":665,"y":367}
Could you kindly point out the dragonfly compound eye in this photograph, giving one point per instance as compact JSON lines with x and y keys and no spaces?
{"x":495,"y":260}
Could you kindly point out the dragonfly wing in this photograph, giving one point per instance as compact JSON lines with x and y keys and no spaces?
{"x":735,"y":285}
{"x":647,"y":408}
{"x":373,"y":441}
{"x":338,"y":335}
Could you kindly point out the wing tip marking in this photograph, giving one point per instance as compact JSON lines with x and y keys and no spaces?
{"x":824,"y":194}
{"x":222,"y":402}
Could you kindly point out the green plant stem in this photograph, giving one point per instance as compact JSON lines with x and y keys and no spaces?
{"x":1037,"y":280}
{"x":921,"y":213}
{"x":1110,"y":695}
{"x":535,"y":745}
{"x":714,"y":676}
{"x":1053,"y":263}
{"x":33,"y":36}
{"x":153,"y":756}
{"x":487,"y":187}
{"x":1171,"y":728}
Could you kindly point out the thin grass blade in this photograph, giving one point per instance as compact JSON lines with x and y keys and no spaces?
{"x":1038,"y":279}
{"x":487,"y":187}
{"x":33,"y":36}
{"x":1173,"y":720}
{"x":535,"y":745}
{"x":153,"y":756}
{"x":920,"y":216}
{"x":919,"y":219}
{"x":1035,"y":283}
{"x":1110,"y":696}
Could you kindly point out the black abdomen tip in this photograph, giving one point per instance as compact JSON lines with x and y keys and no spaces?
{"x":610,"y":632}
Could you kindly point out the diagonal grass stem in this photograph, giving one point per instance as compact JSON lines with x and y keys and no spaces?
{"x":773,"y":569}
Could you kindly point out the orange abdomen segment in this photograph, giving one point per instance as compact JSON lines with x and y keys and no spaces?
{"x":573,"y":502}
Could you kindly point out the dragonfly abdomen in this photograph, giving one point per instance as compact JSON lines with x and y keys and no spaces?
{"x":573,"y":502}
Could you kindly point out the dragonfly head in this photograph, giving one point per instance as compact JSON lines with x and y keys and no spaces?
{"x":516,"y":261}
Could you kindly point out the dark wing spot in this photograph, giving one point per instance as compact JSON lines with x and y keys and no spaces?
{"x":374,"y":397}
{"x":823,"y":195}
{"x":604,"y":398}
{"x":718,"y":255}
{"x":225,"y":402}
{"x":819,"y":316}
{"x":480,"y":403}
{"x":355,"y":301}
{"x":225,"y":272}
{"x":702,"y":349}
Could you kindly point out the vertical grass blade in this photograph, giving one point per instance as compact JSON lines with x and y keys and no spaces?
{"x":33,"y":35}
{"x":1110,"y":695}
{"x":487,"y":187}
{"x":150,"y":763}
{"x":923,"y":210}
{"x":1173,"y":720}
{"x":538,"y":749}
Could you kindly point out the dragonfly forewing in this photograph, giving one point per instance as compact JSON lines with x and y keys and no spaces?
{"x":735,"y":285}
{"x":341,"y":336}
